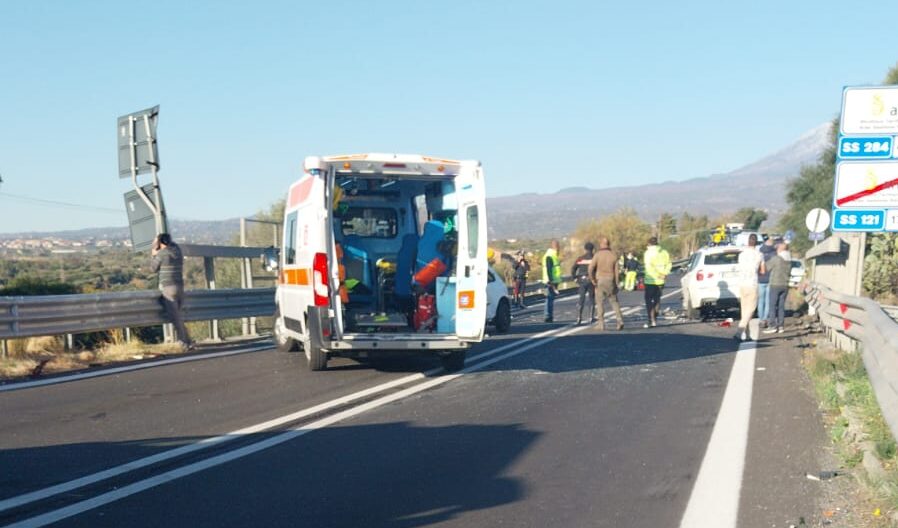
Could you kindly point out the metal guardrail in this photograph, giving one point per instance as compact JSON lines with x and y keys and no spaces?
{"x":33,"y":316}
{"x":866,"y":322}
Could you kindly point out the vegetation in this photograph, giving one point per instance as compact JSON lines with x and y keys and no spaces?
{"x":626,"y":231}
{"x":862,"y":437}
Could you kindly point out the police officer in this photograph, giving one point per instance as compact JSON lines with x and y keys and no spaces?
{"x":585,"y":288}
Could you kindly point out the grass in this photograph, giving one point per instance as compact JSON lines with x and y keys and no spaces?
{"x":48,"y":355}
{"x":855,"y":422}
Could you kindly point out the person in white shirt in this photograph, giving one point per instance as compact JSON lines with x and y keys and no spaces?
{"x":751,"y":262}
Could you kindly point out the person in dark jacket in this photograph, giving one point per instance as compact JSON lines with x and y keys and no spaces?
{"x":168,"y":262}
{"x":779,"y":268}
{"x":631,"y":270}
{"x":585,"y":290}
{"x":521,"y":270}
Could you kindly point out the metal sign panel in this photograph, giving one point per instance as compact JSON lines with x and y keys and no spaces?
{"x":137,"y":146}
{"x":866,"y":183}
{"x":141,"y":219}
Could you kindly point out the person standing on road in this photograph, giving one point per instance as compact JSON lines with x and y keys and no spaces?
{"x":603,"y":272}
{"x":551,"y":278}
{"x":657,"y":267}
{"x":631,"y":267}
{"x":780,"y":266}
{"x":521,"y":269}
{"x":750,"y":264}
{"x":586,"y":291}
{"x":768,"y":250}
{"x":168,"y":262}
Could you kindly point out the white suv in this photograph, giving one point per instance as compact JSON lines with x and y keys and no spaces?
{"x":711,"y":280}
{"x":498,"y":309}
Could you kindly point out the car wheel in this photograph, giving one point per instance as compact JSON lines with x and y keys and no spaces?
{"x":453,"y":361}
{"x":282,"y":342}
{"x":502,"y":320}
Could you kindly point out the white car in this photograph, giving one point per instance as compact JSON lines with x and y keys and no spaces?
{"x":796,"y":274}
{"x":498,"y":307}
{"x":711,"y":280}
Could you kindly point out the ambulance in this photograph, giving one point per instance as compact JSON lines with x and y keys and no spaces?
{"x":383,"y":253}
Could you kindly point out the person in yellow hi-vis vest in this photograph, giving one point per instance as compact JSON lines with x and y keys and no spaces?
{"x":551,"y":278}
{"x":657,"y":268}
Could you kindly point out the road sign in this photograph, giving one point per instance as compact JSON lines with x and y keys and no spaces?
{"x":816,"y":237}
{"x":866,"y":183}
{"x":141,"y":218}
{"x":817,"y":220}
{"x":137,"y":150}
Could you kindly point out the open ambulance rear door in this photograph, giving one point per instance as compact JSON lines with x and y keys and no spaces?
{"x":472,"y":246}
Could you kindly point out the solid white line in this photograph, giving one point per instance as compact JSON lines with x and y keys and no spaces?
{"x":129,"y":368}
{"x":714,"y":502}
{"x":169,"y":476}
{"x":207,"y":443}
{"x":26,"y":498}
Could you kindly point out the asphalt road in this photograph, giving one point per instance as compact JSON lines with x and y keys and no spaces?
{"x":549,"y":425}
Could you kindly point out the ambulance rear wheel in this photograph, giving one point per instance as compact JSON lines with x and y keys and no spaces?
{"x":454,"y":361}
{"x":317,"y":358}
{"x":282,"y":342}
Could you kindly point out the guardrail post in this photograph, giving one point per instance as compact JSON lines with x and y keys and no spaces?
{"x":127,"y":335}
{"x":209,"y":268}
{"x":69,"y":342}
{"x":4,"y":350}
{"x":249,"y":284}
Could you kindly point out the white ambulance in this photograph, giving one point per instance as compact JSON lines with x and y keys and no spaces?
{"x":383,"y":253}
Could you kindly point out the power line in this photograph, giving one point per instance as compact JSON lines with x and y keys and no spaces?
{"x":55,"y":203}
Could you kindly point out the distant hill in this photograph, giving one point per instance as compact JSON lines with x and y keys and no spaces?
{"x":191,"y":231}
{"x":761,"y":184}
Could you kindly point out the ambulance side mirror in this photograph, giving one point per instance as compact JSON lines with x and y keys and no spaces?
{"x":271,"y":257}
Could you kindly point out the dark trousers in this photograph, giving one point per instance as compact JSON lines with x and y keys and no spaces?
{"x":776,"y":306}
{"x":171,"y":302}
{"x":653,"y":300}
{"x":586,"y":299}
{"x":551,"y":293}
{"x":519,"y":286}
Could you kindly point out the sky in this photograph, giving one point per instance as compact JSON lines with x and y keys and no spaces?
{"x":547,"y":95}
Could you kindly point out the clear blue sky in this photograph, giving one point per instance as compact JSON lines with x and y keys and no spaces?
{"x":547,"y":95}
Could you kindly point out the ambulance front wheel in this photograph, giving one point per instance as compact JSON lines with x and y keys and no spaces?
{"x":454,"y":360}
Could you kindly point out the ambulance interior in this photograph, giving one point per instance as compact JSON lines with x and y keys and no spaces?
{"x":396,"y":240}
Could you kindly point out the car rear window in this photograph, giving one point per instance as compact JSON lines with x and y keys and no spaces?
{"x":722,"y":259}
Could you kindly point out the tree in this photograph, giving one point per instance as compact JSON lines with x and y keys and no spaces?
{"x":749,"y":216}
{"x":667,"y":226}
{"x":813,"y":188}
{"x":623,"y":228}
{"x":693,"y":232}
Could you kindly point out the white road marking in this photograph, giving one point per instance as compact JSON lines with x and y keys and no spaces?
{"x":87,"y":480}
{"x":714,"y":502}
{"x":21,"y":500}
{"x":189,"y":469}
{"x":118,"y":370}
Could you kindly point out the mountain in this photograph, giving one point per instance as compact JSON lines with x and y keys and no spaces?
{"x":761,"y":184}
{"x":220,"y":232}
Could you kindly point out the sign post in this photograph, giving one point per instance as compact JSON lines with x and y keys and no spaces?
{"x":138,"y":154}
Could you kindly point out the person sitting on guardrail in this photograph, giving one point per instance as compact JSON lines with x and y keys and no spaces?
{"x":751,"y":263}
{"x":779,"y":268}
{"x":168,"y":262}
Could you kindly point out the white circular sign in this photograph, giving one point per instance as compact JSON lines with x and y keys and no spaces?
{"x":817,"y":220}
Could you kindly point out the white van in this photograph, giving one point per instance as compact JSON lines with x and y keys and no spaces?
{"x":383,"y":252}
